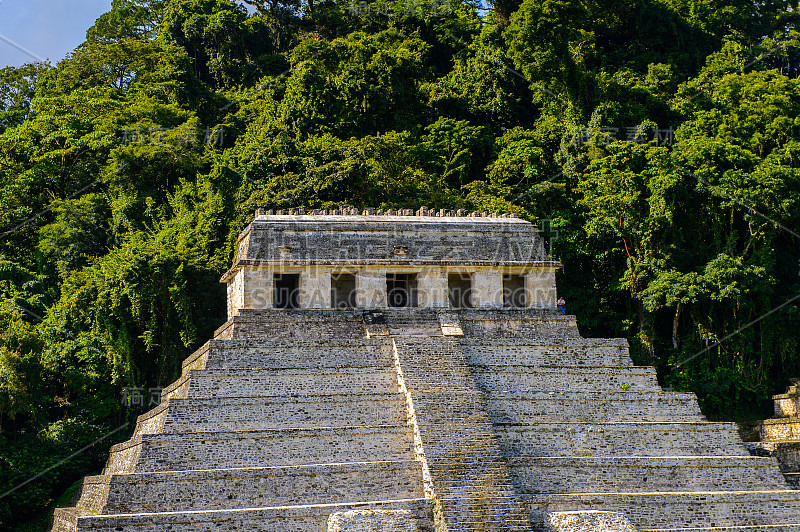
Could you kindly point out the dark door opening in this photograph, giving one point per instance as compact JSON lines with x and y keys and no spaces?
{"x":459,"y":287}
{"x":286,"y":292}
{"x":514,"y":291}
{"x":343,"y":290}
{"x":401,"y":289}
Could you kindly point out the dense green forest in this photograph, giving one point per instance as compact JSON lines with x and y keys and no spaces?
{"x":656,"y":142}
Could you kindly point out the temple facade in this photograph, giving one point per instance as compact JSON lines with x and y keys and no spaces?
{"x":384,"y":260}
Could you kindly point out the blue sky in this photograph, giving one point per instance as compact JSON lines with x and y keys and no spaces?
{"x":47,"y":29}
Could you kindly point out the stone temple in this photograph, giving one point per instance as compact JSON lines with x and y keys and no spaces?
{"x":401,"y":371}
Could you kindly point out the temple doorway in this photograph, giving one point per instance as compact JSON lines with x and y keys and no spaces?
{"x":401,"y":289}
{"x":286,"y":292}
{"x":459,"y":287}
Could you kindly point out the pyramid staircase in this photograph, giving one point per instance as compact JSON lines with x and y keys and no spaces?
{"x":584,"y":430}
{"x":455,"y":421}
{"x":280,"y":422}
{"x":472,"y":487}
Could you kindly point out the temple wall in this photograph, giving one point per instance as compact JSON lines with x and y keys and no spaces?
{"x":252,"y":287}
{"x":429,"y":246}
{"x":432,"y":286}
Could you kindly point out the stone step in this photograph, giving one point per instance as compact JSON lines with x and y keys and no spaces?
{"x":645,"y":474}
{"x":152,"y":421}
{"x":470,"y":492}
{"x":576,"y":352}
{"x":634,"y":438}
{"x":589,"y":378}
{"x":677,"y":510}
{"x":495,"y":504}
{"x":498,"y":485}
{"x":300,"y":518}
{"x":293,"y":324}
{"x":494,"y":523}
{"x":414,"y":330}
{"x":260,"y":382}
{"x":738,"y":528}
{"x":413,"y":327}
{"x":780,"y":429}
{"x":517,"y":323}
{"x":519,"y":407}
{"x":447,"y":419}
{"x":464,"y":452}
{"x":265,"y":354}
{"x":475,"y":489}
{"x":440,"y":461}
{"x":220,"y":489}
{"x":281,"y":412}
{"x":485,"y":519}
{"x":260,"y":448}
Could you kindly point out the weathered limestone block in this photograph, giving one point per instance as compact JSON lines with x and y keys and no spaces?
{"x":152,"y":422}
{"x":678,"y":510}
{"x":496,"y":323}
{"x":591,"y":521}
{"x":638,"y":438}
{"x":787,"y":453}
{"x":315,"y":288}
{"x":304,"y":518}
{"x":487,"y":288}
{"x":576,"y":352}
{"x":786,"y":405}
{"x":541,"y":288}
{"x":372,"y":521}
{"x":273,"y":447}
{"x":235,"y":293}
{"x":258,"y":287}
{"x":259,"y":487}
{"x":450,"y":324}
{"x":590,"y":379}
{"x":432,"y":289}
{"x":272,"y":354}
{"x":371,"y":289}
{"x":253,"y":413}
{"x":311,"y":324}
{"x":527,"y":407}
{"x":580,"y":474}
{"x":777,"y":429}
{"x":262,"y":383}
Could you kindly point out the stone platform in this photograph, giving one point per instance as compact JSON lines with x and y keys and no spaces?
{"x":780,"y":436}
{"x":426,"y":420}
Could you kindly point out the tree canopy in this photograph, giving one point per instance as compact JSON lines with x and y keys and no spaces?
{"x":656,"y":143}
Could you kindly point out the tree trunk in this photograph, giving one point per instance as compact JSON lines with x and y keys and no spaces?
{"x":675,"y":326}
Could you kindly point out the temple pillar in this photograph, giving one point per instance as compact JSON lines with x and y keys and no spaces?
{"x":487,"y":289}
{"x":432,"y":289}
{"x":256,"y":287}
{"x":371,"y":289}
{"x":541,"y":287}
{"x":315,"y":288}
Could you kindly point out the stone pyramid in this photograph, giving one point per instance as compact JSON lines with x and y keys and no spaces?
{"x":423,"y":418}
